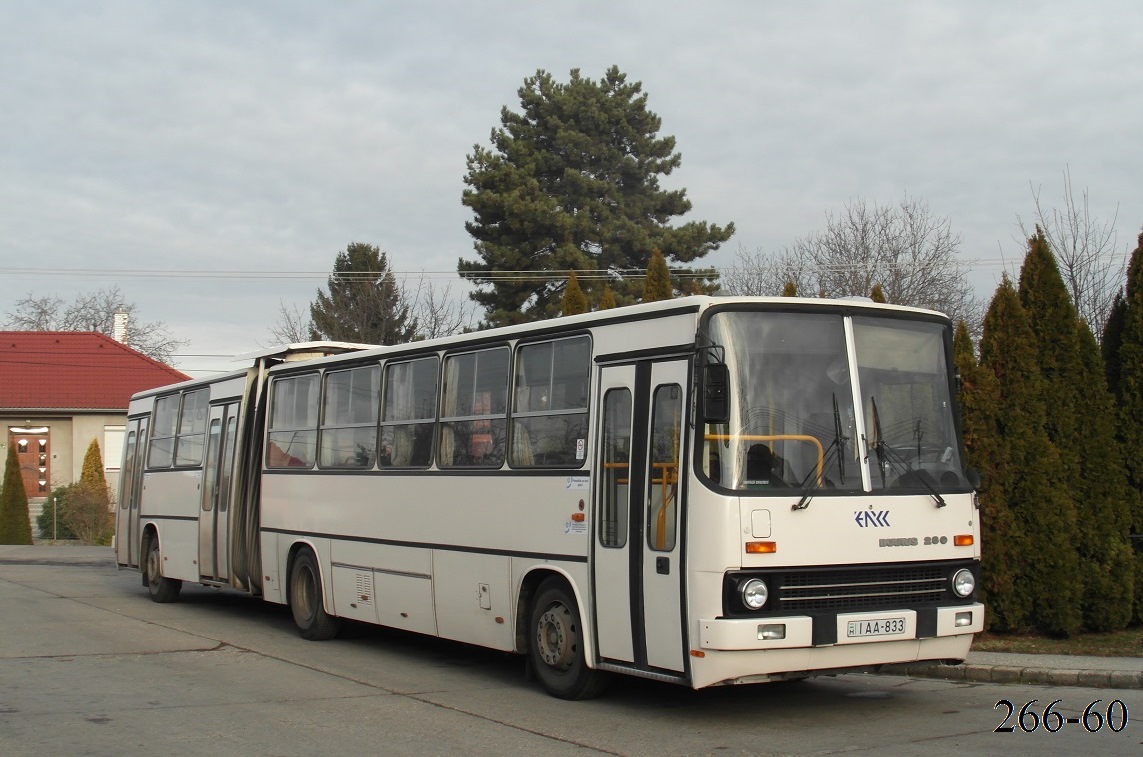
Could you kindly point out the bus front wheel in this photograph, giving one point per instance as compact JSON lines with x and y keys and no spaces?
{"x":556,"y":636}
{"x":160,"y":588}
{"x":306,"y":604}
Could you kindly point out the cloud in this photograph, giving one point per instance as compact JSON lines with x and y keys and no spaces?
{"x":267,"y":135}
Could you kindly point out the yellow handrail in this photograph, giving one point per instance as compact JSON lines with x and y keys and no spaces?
{"x":670,"y":477}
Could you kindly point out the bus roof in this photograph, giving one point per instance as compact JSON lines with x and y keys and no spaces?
{"x":691,"y":304}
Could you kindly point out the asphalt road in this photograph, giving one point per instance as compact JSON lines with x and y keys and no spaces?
{"x":89,"y":665}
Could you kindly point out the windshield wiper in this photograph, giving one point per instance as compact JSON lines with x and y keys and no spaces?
{"x":836,"y":449}
{"x":887,"y":456}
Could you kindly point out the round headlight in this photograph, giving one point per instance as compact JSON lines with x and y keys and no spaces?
{"x":963,"y":582}
{"x":754,"y":593}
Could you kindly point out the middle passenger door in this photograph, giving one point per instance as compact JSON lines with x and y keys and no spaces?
{"x":214,"y":516}
{"x":637,"y":571}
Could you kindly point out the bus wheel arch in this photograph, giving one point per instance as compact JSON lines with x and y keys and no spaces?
{"x":161,"y":588}
{"x":557,"y":641}
{"x":305,"y":595}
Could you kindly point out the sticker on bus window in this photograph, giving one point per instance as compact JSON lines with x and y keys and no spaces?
{"x":580,"y":447}
{"x":576,"y":482}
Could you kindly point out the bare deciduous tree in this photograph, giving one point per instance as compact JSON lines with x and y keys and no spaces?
{"x":293,"y":326}
{"x":93,"y":311}
{"x":1086,"y":250}
{"x":760,"y":274}
{"x":905,"y":248}
{"x":438,"y":312}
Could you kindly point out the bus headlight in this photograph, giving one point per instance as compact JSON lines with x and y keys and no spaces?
{"x":754,"y":593}
{"x":963,"y":582}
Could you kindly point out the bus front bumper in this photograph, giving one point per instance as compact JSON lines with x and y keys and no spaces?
{"x":798,"y":631}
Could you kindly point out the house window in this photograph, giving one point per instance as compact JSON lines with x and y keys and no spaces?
{"x":113,"y":447}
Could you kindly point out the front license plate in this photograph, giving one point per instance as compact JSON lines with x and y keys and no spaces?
{"x":878,"y":627}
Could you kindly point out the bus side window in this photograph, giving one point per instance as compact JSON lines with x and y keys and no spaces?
{"x":616,"y":445}
{"x":192,"y":428}
{"x":348,"y":437}
{"x":408,"y":413}
{"x":549,"y":411}
{"x":292,"y":438}
{"x":474,"y":409}
{"x":663,"y":476}
{"x":161,"y":452}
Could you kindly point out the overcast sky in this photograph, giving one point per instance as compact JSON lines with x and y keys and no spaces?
{"x":263,"y":137}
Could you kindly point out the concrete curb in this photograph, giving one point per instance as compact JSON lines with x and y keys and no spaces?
{"x":1009,"y":674}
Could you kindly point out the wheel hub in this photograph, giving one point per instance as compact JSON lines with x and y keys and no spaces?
{"x":555,"y":637}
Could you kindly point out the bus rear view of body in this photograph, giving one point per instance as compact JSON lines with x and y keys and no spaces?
{"x":703,"y":491}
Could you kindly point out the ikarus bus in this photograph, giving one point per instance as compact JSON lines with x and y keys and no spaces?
{"x":702,"y":491}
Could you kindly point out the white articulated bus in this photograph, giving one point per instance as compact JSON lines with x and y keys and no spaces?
{"x":703,"y":490}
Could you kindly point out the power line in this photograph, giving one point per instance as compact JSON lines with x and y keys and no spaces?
{"x":520,"y":275}
{"x":340,"y":276}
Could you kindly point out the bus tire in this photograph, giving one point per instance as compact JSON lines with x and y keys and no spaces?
{"x":306,"y":600}
{"x":555,"y":645}
{"x":160,"y":588}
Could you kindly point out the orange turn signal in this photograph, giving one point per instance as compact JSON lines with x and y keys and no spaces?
{"x":577,"y":517}
{"x":761,"y":547}
{"x":963,"y":540}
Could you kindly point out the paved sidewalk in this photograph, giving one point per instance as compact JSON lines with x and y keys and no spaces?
{"x":983,"y":667}
{"x":1036,"y":669}
{"x":55,"y":554}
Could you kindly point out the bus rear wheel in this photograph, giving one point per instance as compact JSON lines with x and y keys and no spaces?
{"x":555,"y":648}
{"x":160,"y":588}
{"x":306,"y":600}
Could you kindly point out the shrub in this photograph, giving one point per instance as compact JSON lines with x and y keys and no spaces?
{"x":51,"y":522}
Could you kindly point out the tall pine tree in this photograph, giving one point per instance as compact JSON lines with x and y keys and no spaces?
{"x":1113,"y":341}
{"x":1029,"y":473}
{"x":657,"y":285}
{"x":364,"y":303}
{"x":1054,"y":321}
{"x":572,"y":181}
{"x":15,"y":523}
{"x":1130,"y":393}
{"x":1002,"y":539}
{"x":1103,"y":503}
{"x":1079,"y":410}
{"x":574,"y":300}
{"x":89,"y":505}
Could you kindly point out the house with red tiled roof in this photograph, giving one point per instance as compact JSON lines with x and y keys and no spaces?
{"x":61,"y":389}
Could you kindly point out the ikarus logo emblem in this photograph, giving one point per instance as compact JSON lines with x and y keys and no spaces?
{"x":871,"y":518}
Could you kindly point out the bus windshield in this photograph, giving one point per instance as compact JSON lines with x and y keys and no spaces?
{"x":793,"y":426}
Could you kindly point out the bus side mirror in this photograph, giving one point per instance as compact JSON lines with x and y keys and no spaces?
{"x":715,"y":380}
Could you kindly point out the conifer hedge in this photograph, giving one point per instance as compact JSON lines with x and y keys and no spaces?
{"x":15,"y":524}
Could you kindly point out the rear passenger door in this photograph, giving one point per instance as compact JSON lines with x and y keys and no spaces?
{"x":130,"y":488}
